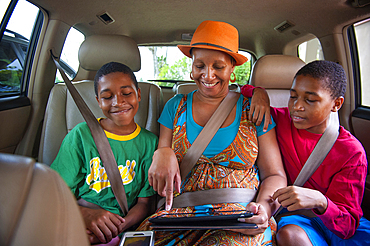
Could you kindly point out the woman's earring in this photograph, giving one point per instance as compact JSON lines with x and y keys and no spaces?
{"x":191,"y":76}
{"x":233,"y":80}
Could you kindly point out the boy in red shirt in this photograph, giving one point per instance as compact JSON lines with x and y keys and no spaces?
{"x":334,"y":192}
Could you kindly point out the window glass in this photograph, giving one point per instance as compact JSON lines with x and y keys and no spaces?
{"x":166,"y":65}
{"x":14,"y":46}
{"x":310,"y":51}
{"x":243,"y":72}
{"x":362,"y":32}
{"x":69,"y":57}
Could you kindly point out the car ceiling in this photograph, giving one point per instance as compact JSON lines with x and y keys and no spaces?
{"x":163,"y":21}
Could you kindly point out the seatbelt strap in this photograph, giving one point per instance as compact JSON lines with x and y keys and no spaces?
{"x":205,"y":136}
{"x":101,"y":142}
{"x":319,"y":153}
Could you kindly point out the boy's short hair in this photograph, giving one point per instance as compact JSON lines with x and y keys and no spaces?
{"x":330,"y":73}
{"x":113,"y":67}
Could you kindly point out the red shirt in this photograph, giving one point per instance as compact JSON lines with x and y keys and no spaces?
{"x":341,"y":176}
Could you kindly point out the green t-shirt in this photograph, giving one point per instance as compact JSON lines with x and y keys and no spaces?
{"x":79,"y":165}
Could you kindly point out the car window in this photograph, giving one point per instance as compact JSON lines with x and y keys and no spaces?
{"x":14,"y":46}
{"x":362,"y":34}
{"x":167,"y":65}
{"x":310,"y":51}
{"x":69,"y":57}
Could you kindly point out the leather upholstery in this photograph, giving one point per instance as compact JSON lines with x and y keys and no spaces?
{"x":37,"y":207}
{"x":98,"y":50}
{"x":275,"y":73}
{"x":62,"y":114}
{"x":186,"y":88}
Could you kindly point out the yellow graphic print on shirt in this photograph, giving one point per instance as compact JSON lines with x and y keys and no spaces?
{"x":98,"y":179}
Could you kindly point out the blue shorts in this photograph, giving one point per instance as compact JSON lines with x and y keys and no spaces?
{"x":320,"y":235}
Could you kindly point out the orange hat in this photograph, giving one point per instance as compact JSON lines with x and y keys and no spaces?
{"x":216,"y":35}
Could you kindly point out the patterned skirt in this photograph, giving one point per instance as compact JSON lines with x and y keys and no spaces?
{"x":210,"y":237}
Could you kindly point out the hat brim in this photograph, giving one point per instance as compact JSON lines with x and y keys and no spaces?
{"x":239,"y":58}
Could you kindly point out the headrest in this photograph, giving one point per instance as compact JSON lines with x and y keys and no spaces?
{"x":37,"y":206}
{"x":275,"y":71}
{"x":98,"y":50}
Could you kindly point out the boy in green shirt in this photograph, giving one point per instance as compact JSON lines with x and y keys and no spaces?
{"x":79,"y":163}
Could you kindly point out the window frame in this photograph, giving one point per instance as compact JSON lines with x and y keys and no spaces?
{"x":360,"y":111}
{"x":31,"y":50}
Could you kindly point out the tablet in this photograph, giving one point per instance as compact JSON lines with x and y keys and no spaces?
{"x":202,"y":220}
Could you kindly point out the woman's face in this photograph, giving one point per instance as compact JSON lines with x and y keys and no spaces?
{"x":211,"y":71}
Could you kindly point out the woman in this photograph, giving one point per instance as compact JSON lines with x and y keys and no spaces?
{"x":239,"y":155}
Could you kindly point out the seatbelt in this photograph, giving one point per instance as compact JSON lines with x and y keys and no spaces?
{"x":101,"y":142}
{"x":319,"y":153}
{"x":205,"y":136}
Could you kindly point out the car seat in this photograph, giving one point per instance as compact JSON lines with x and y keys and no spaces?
{"x":275,"y":73}
{"x":37,"y":207}
{"x":61,"y":112}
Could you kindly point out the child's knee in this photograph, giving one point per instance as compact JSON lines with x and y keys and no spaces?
{"x":284,"y":235}
{"x":292,"y":235}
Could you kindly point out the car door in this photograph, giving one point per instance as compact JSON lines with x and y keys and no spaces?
{"x":18,"y":36}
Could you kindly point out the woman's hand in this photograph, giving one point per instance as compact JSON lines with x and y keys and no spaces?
{"x":101,"y":224}
{"x":260,"y":218}
{"x":295,"y":198}
{"x":260,"y":107}
{"x":164,"y":174}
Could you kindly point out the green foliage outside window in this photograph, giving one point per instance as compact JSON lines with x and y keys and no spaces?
{"x":178,"y":71}
{"x":10,"y":78}
{"x":242,"y":73}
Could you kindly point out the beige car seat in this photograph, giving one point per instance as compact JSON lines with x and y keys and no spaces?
{"x":37,"y":207}
{"x":62,"y":114}
{"x":275,"y":73}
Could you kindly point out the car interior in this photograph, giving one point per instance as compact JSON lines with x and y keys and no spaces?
{"x":37,"y":111}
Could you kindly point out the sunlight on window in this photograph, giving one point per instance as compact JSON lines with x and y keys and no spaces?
{"x":362,"y":31}
{"x":69,"y":56}
{"x":23,"y":18}
{"x":163,"y":63}
{"x":310,"y":51}
{"x":71,"y":46}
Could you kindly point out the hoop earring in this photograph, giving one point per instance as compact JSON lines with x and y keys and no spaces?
{"x":233,"y":80}
{"x":191,"y":76}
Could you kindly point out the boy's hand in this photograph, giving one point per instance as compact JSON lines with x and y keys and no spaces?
{"x":260,"y":218}
{"x":102,"y":224}
{"x":164,"y":174}
{"x":260,"y":106}
{"x":295,"y":198}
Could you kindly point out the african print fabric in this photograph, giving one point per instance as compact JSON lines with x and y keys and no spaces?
{"x":233,"y":167}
